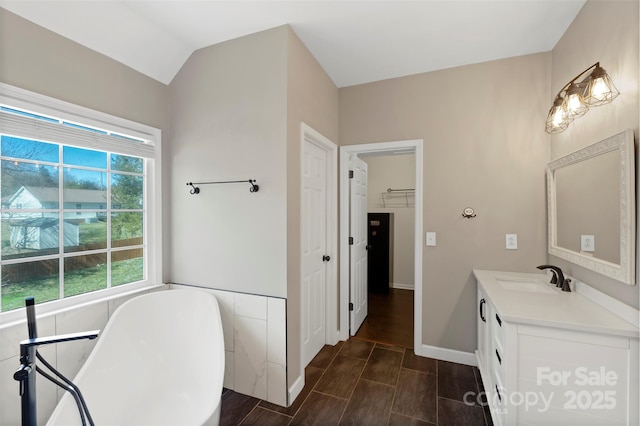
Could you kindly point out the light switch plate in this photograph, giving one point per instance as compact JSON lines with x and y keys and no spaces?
{"x":431,"y":239}
{"x":511,"y":241}
{"x":587,"y":243}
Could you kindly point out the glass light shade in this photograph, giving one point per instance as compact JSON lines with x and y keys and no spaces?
{"x":574,"y":104}
{"x":557,"y":120}
{"x":601,"y":89}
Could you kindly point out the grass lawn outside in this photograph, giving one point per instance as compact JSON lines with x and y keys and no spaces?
{"x":76,"y":282}
{"x":91,"y":233}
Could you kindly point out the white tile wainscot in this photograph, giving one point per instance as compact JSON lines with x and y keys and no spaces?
{"x":549,"y":357}
{"x":255,"y":343}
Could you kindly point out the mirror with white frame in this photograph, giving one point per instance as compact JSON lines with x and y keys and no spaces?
{"x":591,"y":207}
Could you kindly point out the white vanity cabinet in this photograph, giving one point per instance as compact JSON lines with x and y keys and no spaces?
{"x":577,"y":366}
{"x":482,"y":326}
{"x":495,"y":356}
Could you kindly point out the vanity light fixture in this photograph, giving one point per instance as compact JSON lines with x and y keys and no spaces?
{"x":576,"y":97}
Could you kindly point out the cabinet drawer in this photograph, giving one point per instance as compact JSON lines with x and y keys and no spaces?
{"x":498,"y":361}
{"x":498,"y":328}
{"x":498,"y":402}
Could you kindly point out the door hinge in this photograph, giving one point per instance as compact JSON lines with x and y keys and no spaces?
{"x":350,"y":174}
{"x":350,"y":241}
{"x":351,"y":306}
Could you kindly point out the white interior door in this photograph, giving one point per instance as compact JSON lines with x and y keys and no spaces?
{"x":314,"y":256}
{"x":358,"y":250}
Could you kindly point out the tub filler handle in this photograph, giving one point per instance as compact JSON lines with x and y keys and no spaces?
{"x":25,"y":373}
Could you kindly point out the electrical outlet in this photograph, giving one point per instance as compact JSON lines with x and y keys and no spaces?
{"x":587,"y":243}
{"x":511,"y":241}
{"x":431,"y":239}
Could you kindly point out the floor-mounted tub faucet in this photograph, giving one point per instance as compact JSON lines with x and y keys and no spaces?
{"x":26,"y":373}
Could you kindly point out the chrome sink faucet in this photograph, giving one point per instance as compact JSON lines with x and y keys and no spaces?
{"x":558,"y":277}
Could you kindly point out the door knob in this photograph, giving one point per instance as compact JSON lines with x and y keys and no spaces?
{"x":369,"y":247}
{"x":326,"y":258}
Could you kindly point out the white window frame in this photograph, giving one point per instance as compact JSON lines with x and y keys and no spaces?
{"x":40,"y":104}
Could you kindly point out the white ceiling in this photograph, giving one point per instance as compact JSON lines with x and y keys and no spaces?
{"x":354,"y":41}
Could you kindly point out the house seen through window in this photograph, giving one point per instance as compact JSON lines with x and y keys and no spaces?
{"x":72,"y":217}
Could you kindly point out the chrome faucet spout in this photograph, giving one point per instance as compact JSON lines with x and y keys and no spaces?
{"x":558,"y":275}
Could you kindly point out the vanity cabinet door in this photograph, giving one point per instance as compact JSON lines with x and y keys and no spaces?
{"x":585,"y":378}
{"x":483,"y":329}
{"x":491,"y":336}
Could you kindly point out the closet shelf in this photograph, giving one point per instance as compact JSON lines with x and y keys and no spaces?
{"x":398,"y":197}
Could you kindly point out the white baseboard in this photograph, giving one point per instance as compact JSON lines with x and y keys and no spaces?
{"x":295,"y":389}
{"x":402,"y":286}
{"x":450,"y":355}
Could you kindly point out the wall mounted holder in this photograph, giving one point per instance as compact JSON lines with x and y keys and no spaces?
{"x":195,"y":190}
{"x":468,"y":213}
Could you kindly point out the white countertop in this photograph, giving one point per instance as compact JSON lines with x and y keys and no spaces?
{"x":558,"y":309}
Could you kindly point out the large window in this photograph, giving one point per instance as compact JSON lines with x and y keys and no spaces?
{"x":78,"y":201}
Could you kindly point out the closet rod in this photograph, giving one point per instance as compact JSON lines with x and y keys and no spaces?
{"x":400,"y":190}
{"x":196,"y":190}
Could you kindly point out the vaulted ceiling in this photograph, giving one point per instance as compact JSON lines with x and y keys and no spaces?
{"x":354,"y":41}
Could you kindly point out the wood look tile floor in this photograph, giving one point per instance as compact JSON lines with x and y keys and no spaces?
{"x":373,"y":378}
{"x":389,"y":318}
{"x":365,"y":383}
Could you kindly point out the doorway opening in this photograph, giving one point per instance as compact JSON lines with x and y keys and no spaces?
{"x":398,"y":297}
{"x":391,"y":246}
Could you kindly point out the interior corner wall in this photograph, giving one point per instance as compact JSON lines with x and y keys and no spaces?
{"x":607,"y":32}
{"x":312,"y":98}
{"x":228,"y":122}
{"x":484,"y":147}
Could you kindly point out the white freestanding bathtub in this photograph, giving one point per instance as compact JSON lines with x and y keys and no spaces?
{"x":159,"y":361}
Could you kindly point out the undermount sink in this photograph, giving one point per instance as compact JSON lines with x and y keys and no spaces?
{"x":524,"y":285}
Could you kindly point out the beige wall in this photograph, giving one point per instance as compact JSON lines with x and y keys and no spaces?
{"x":395,"y":171}
{"x":605,"y":32}
{"x":236,"y":109}
{"x":483,"y":148}
{"x":36,"y":59}
{"x":228,"y":121}
{"x":312,"y":98}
